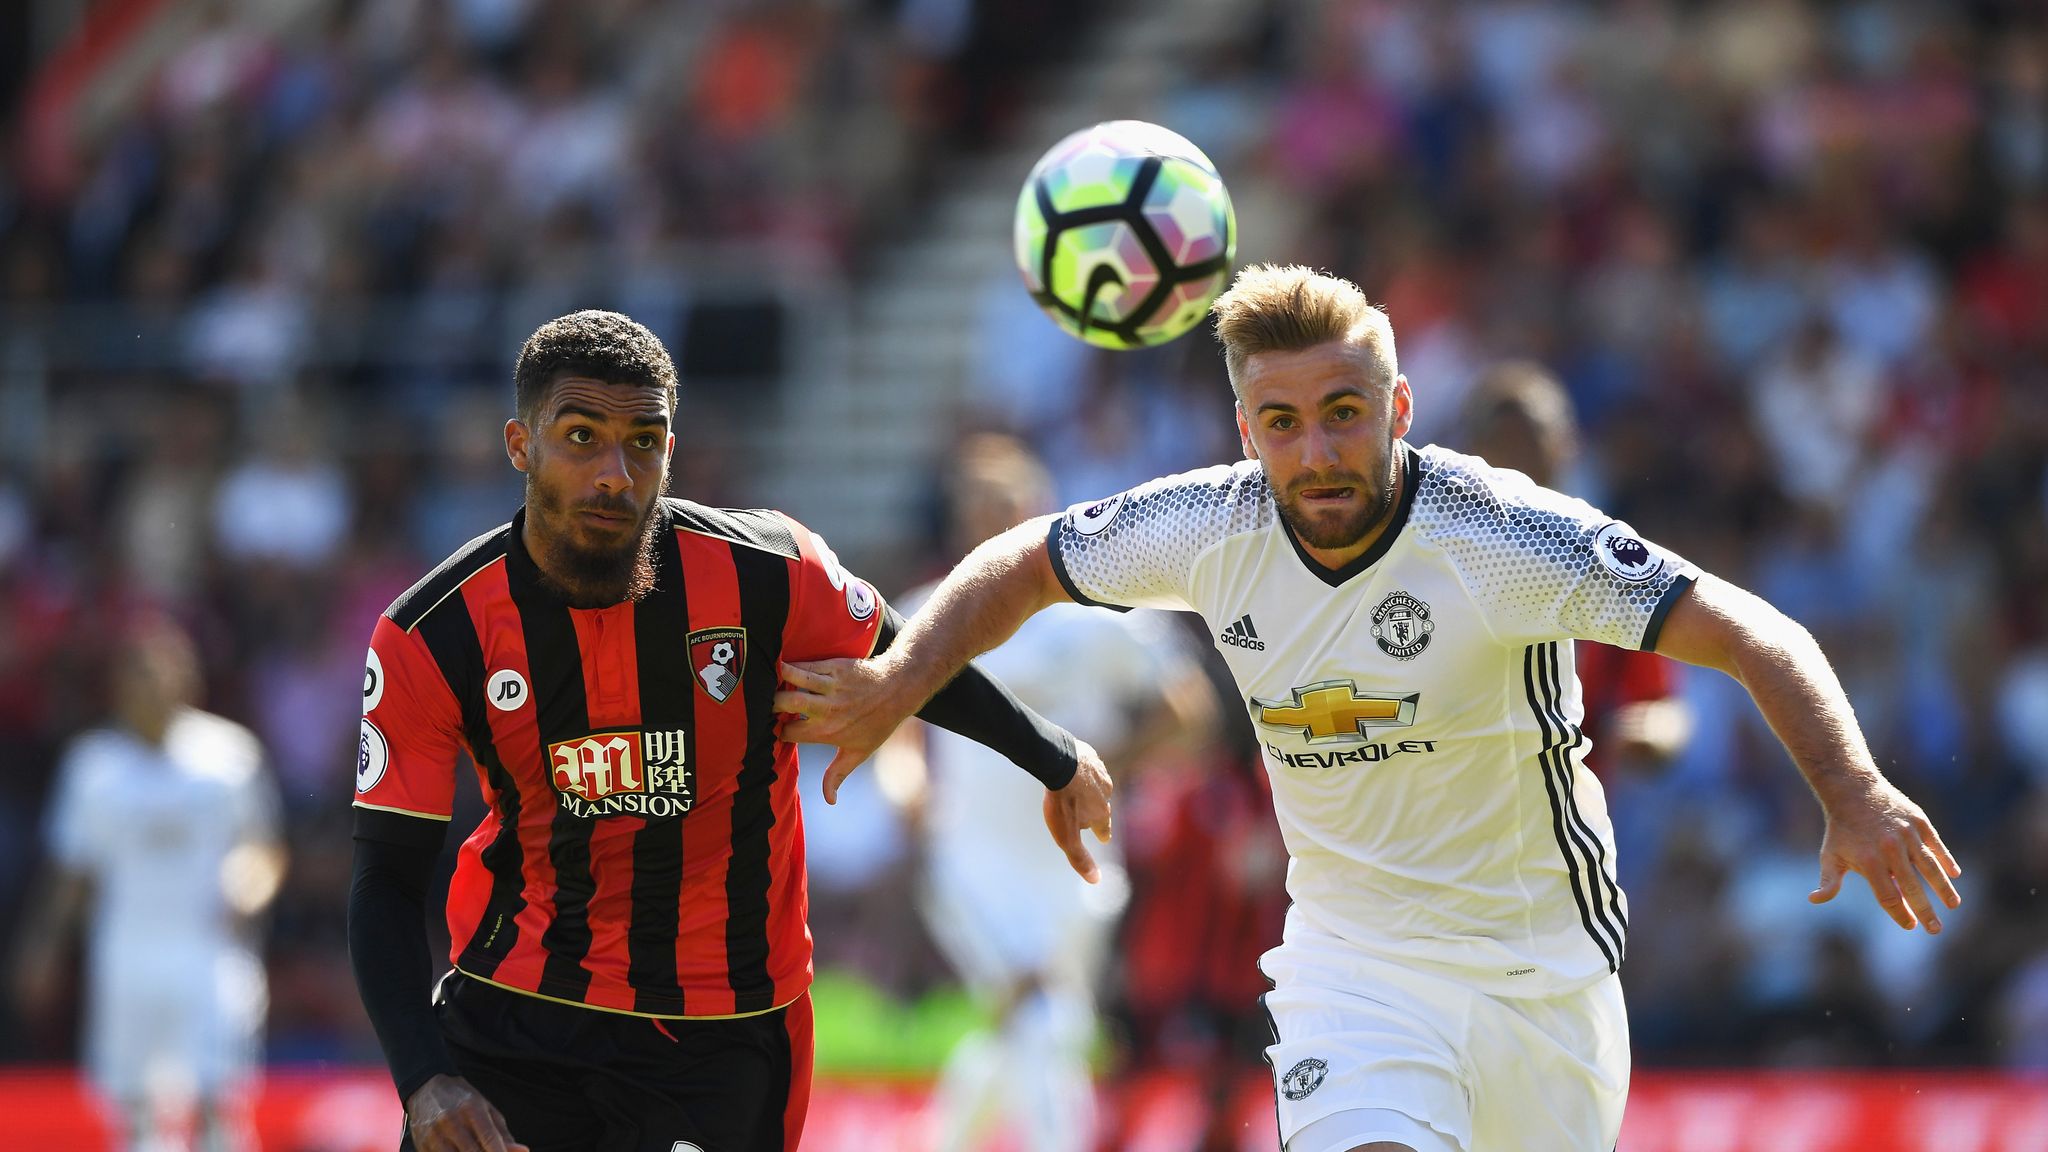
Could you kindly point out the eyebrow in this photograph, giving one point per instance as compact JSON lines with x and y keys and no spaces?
{"x":596,"y":417}
{"x":1345,"y":393}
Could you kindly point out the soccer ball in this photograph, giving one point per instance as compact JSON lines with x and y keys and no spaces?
{"x":1125,"y":234}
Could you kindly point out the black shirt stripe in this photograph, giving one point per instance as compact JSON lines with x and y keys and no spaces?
{"x":1609,"y":891}
{"x":1557,"y":819}
{"x":759,"y":527}
{"x":1590,"y":849}
{"x":661,"y":628}
{"x":433,"y":588}
{"x":764,"y":610}
{"x":451,"y":638}
{"x":554,"y":663}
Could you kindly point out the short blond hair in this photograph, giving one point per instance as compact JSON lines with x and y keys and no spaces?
{"x":1275,"y":308}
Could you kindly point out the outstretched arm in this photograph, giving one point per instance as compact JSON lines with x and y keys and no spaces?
{"x":1872,"y":828}
{"x":856,"y":704}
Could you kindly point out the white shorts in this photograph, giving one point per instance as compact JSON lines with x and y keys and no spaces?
{"x":188,"y":1030}
{"x":1392,"y":1053}
{"x":996,"y":923}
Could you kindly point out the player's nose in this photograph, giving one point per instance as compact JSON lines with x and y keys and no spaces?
{"x":613,"y":476}
{"x":1318,"y":450}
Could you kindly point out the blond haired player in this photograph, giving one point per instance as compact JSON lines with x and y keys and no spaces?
{"x":1447,"y":975}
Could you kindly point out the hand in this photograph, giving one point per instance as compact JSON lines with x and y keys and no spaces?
{"x":1083,"y":803}
{"x":852,"y":704}
{"x":447,"y":1114}
{"x":1886,"y":838}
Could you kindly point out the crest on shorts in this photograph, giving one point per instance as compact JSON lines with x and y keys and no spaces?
{"x":1401,"y":625}
{"x":1303,"y":1079}
{"x":718,"y":657}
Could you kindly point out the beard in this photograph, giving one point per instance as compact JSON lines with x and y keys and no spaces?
{"x":1348,"y":529}
{"x":591,"y":576}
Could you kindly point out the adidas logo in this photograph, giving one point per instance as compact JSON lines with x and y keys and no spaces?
{"x":1241,"y":634}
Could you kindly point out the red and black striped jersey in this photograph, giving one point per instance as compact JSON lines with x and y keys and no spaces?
{"x":643,"y":850}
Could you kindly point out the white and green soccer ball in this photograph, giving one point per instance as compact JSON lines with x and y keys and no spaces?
{"x":1125,"y":234}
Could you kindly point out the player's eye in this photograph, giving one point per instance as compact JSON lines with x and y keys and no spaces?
{"x":1342,"y":414}
{"x":579,"y":435}
{"x":645,"y":442}
{"x":1281,"y":423}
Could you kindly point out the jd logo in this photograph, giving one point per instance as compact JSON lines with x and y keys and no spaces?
{"x":373,"y":683}
{"x":507,"y":690}
{"x":1335,"y":711}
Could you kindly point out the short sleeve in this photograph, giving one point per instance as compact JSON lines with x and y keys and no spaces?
{"x":1135,"y":549}
{"x":73,"y":824}
{"x":412,"y":729}
{"x":832,"y":613}
{"x":1546,"y":566}
{"x":256,"y":805}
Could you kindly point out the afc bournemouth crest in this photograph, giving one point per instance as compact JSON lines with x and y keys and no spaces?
{"x":1303,"y":1079}
{"x":718,"y":656}
{"x":1402,"y":626}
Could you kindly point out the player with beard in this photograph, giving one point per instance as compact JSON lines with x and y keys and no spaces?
{"x":630,"y":958}
{"x":1400,"y":622}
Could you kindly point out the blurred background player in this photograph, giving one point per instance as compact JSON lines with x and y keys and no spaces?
{"x":1026,"y":935}
{"x":1518,"y":416}
{"x":162,"y":835}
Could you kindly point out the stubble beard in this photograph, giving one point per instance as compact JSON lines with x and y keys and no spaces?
{"x":590,"y":577}
{"x":1321,"y":533}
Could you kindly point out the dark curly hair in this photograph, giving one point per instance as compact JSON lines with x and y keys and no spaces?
{"x":602,"y":345}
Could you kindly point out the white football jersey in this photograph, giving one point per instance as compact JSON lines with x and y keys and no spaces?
{"x":1418,"y":708}
{"x":151,"y":827}
{"x":1083,"y":670}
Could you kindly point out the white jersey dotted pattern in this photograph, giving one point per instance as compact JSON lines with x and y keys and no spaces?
{"x":1140,"y":558}
{"x":1418,"y":711}
{"x":1528,"y":553}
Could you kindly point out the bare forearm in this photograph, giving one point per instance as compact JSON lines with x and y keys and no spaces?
{"x":1787,"y":675}
{"x":982,"y":603}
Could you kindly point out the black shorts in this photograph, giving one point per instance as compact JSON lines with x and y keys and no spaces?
{"x":571,"y":1079}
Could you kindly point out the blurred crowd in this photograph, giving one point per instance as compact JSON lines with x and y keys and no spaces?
{"x":1789,"y":259}
{"x":258,"y":310}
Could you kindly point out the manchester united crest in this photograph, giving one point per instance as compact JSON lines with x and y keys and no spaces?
{"x":718,"y":656}
{"x":1401,"y":625}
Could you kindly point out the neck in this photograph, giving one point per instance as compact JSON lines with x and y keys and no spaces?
{"x":150,"y":729}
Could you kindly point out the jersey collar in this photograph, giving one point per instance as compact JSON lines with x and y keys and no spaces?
{"x":1411,"y":477}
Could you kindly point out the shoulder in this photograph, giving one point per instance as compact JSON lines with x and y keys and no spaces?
{"x":216,"y":746}
{"x":91,"y":755}
{"x":415,"y":602}
{"x":762,"y":528}
{"x":1463,"y":497}
{"x":1222,"y":500}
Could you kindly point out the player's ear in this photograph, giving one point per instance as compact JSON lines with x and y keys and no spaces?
{"x":1244,"y":435}
{"x":517,"y":441}
{"x":1404,"y":406}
